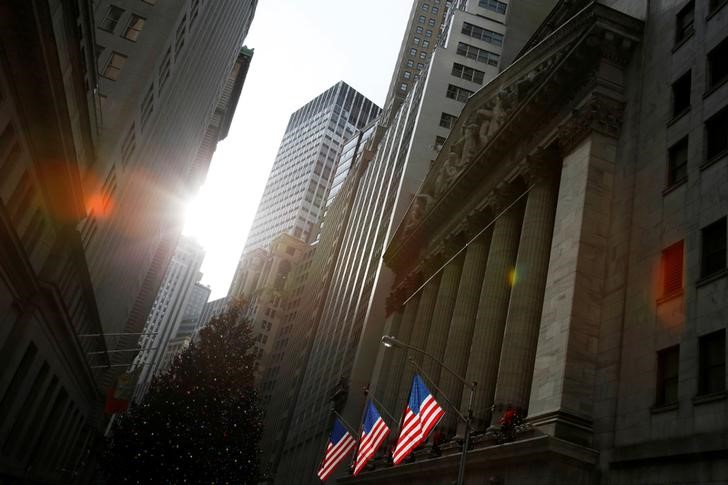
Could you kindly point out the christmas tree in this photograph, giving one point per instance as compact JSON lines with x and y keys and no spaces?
{"x":200,"y":421}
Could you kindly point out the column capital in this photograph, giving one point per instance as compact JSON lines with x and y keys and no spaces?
{"x":598,"y":113}
{"x":502,"y":196}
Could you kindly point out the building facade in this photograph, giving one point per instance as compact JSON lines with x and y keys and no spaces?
{"x":565,"y":252}
{"x":209,"y":311}
{"x":295,"y":195}
{"x":91,"y":168}
{"x":168,"y":313}
{"x":346,"y":343}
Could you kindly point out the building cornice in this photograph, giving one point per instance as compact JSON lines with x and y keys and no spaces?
{"x":553,"y":96}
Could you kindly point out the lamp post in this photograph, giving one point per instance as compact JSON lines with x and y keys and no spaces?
{"x":390,"y":341}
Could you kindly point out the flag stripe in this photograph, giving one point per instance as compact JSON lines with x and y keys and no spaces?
{"x":331,"y":464}
{"x":416,"y":426}
{"x":369,"y":445}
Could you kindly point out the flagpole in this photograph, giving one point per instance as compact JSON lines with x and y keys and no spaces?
{"x":369,"y":394}
{"x":439,"y":391}
{"x":348,"y":427}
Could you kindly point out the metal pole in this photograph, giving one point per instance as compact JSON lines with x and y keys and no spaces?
{"x":466,"y":441}
{"x":119,"y":350}
{"x":115,"y":334}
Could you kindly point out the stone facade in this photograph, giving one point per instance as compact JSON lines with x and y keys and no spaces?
{"x":560,"y":176}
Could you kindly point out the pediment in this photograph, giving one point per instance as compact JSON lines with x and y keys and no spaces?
{"x":512,"y":107}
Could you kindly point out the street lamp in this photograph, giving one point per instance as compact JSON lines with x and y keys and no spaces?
{"x":390,"y":341}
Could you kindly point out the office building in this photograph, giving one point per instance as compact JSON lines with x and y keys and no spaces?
{"x":211,"y":310}
{"x":295,"y":194}
{"x":97,"y":131}
{"x":566,"y":252}
{"x":179,"y":295}
{"x":346,"y":343}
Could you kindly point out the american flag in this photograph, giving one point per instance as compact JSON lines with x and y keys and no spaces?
{"x":373,"y":433}
{"x":422,"y":414}
{"x":341,"y":443}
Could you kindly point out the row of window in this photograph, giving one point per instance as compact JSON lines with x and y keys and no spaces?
{"x":494,"y":5}
{"x":422,"y":19}
{"x":685,"y":19}
{"x":482,"y":34}
{"x":711,"y":369}
{"x":457,"y":93}
{"x":468,"y":73}
{"x":112,"y":17}
{"x":426,"y":7}
{"x":712,"y":258}
{"x":477,"y":54}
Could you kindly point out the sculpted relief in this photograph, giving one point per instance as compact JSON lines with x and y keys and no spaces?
{"x":472,"y":135}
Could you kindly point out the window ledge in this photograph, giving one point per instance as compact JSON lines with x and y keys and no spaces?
{"x":682,"y":41}
{"x":715,"y":87}
{"x":711,"y":277}
{"x":674,"y":185}
{"x":663,"y":408}
{"x":678,"y":116}
{"x":670,"y":296}
{"x":714,"y":159}
{"x":712,"y":397}
{"x":716,"y":9}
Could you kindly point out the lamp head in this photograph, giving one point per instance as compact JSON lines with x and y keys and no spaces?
{"x":390,"y":341}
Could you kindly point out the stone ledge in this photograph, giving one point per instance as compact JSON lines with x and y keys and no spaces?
{"x":671,"y":449}
{"x":486,"y":459}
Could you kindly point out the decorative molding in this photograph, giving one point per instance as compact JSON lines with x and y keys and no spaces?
{"x":599,"y":113}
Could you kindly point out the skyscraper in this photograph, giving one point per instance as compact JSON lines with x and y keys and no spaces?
{"x":168,"y":311}
{"x":104,"y":106}
{"x":353,"y":312}
{"x":301,"y":176}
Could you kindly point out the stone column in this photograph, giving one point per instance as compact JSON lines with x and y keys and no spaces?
{"x":515,"y":369}
{"x":418,"y":338}
{"x":577,"y":309}
{"x":490,"y":319}
{"x":463,"y":322}
{"x":397,"y":361}
{"x":441,"y":317}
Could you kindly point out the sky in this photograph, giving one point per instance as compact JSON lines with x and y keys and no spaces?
{"x":302,"y":47}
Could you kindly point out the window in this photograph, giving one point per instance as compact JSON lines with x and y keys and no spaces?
{"x":672,"y":269}
{"x":435,"y":10}
{"x":439,"y":142}
{"x":413,"y":51}
{"x":421,"y":19}
{"x":114,"y":66}
{"x":684,"y":22}
{"x":668,"y":365}
{"x":457,"y":93}
{"x":148,"y":105}
{"x":134,"y":28}
{"x":494,"y":5}
{"x":447,"y":120}
{"x":467,"y":73}
{"x":428,"y":33}
{"x":416,"y":40}
{"x":420,"y":66}
{"x":425,"y":7}
{"x":713,"y":248}
{"x":431,"y":22}
{"x":127,"y":148}
{"x":403,"y":87}
{"x":181,"y":29}
{"x":480,"y":55}
{"x":423,"y":55}
{"x":677,"y":166}
{"x":426,"y":44}
{"x":681,"y":94}
{"x":164,"y":68}
{"x":711,"y":362}
{"x":410,"y":63}
{"x":111,"y":18}
{"x":407,"y":75}
{"x":717,"y":65}
{"x":482,"y":34}
{"x":716,"y":135}
{"x":419,"y":29}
